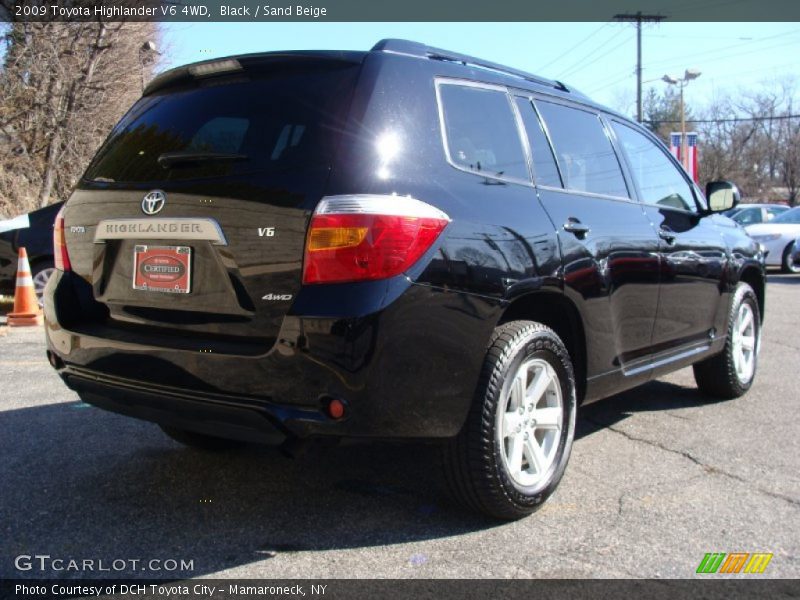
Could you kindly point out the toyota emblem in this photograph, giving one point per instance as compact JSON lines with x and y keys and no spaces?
{"x":153,"y":202}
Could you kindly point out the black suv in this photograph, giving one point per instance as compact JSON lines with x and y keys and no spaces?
{"x":401,"y":243}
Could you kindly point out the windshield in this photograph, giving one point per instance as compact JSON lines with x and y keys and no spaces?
{"x":266,"y":121}
{"x":790,"y":216}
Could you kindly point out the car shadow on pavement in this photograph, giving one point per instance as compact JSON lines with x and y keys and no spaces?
{"x":653,"y":396}
{"x":80,"y":482}
{"x":783,"y":279}
{"x":84,"y":483}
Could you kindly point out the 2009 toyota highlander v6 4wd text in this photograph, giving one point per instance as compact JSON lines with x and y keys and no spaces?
{"x":401,"y":243}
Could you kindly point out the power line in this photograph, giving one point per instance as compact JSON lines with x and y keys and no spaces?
{"x":731,"y":120}
{"x":693,"y":56}
{"x":575,"y":47}
{"x":577,"y":64}
{"x":582,"y":65}
{"x":613,"y":83}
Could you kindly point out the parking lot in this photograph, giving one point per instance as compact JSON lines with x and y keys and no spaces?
{"x":659,"y":476}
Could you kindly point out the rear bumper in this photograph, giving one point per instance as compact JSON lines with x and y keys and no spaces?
{"x":406,"y":370}
{"x":233,"y":418}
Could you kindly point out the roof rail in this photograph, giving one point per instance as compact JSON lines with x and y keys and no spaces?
{"x":409,"y":48}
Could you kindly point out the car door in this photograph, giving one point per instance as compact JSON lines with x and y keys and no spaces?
{"x":609,"y":249}
{"x":692,"y":249}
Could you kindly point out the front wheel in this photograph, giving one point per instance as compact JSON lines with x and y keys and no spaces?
{"x":788,"y":264}
{"x":514,"y":447}
{"x":730,"y":373}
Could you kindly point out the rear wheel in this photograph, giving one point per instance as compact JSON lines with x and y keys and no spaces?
{"x":787,"y":263}
{"x":514,"y":447}
{"x":730,"y":373}
{"x":199,"y":440}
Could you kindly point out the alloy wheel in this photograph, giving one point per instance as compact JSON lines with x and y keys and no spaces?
{"x":745,"y":343}
{"x":39,"y":281}
{"x":529,"y":422}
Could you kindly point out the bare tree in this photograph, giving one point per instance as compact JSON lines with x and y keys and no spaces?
{"x":62,"y":88}
{"x":752,"y":138}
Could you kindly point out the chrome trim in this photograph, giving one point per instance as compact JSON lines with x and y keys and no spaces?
{"x":201,"y":229}
{"x":532,"y":101}
{"x":590,"y":194}
{"x":655,"y":364}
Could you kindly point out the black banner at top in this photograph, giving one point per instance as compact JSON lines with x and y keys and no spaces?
{"x":395,"y":10}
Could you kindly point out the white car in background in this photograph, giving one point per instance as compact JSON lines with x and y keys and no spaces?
{"x":778,"y":237}
{"x":750,"y":214}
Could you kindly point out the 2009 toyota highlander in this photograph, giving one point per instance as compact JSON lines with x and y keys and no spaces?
{"x":401,"y":243}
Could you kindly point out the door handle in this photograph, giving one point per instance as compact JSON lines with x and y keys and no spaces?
{"x":667,"y":235}
{"x":573,"y":225}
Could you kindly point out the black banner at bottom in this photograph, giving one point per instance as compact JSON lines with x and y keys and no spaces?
{"x":410,"y":589}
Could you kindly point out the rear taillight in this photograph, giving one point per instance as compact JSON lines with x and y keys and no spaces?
{"x":366,"y":237}
{"x":61,"y":256}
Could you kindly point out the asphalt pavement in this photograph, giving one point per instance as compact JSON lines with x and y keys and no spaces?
{"x":659,"y":476}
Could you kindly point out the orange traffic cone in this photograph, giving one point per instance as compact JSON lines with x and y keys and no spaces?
{"x":26,"y":306}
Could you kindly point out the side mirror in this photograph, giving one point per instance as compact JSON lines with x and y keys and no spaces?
{"x":722,"y":195}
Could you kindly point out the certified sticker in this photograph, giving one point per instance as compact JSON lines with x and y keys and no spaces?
{"x":162,"y":269}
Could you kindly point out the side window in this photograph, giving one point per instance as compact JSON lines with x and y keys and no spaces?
{"x":749,"y":216}
{"x":584,"y":152}
{"x":660,"y":181}
{"x":773,"y":212}
{"x":545,"y":171}
{"x":481,"y":132}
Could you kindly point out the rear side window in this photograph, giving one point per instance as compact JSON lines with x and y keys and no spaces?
{"x":545,"y":171}
{"x":584,"y":152}
{"x":262,"y":121}
{"x":481,"y":132}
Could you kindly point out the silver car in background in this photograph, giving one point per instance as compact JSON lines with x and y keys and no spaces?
{"x":778,"y":237}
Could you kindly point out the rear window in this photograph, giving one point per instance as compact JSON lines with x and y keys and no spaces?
{"x":267,"y":121}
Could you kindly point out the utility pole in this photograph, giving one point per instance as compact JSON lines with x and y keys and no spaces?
{"x":639,"y":18}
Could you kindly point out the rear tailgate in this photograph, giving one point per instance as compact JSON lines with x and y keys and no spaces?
{"x":208,"y":241}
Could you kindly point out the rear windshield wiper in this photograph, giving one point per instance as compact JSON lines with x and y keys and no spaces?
{"x":171,"y":159}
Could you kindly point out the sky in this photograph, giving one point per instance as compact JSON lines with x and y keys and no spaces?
{"x":598,"y":59}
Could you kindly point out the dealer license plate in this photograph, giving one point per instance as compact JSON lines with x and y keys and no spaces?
{"x":162,"y":268}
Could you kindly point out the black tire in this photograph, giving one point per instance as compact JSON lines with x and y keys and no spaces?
{"x":717,"y":376}
{"x":199,"y":440}
{"x":787,"y":265}
{"x":475,"y":468}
